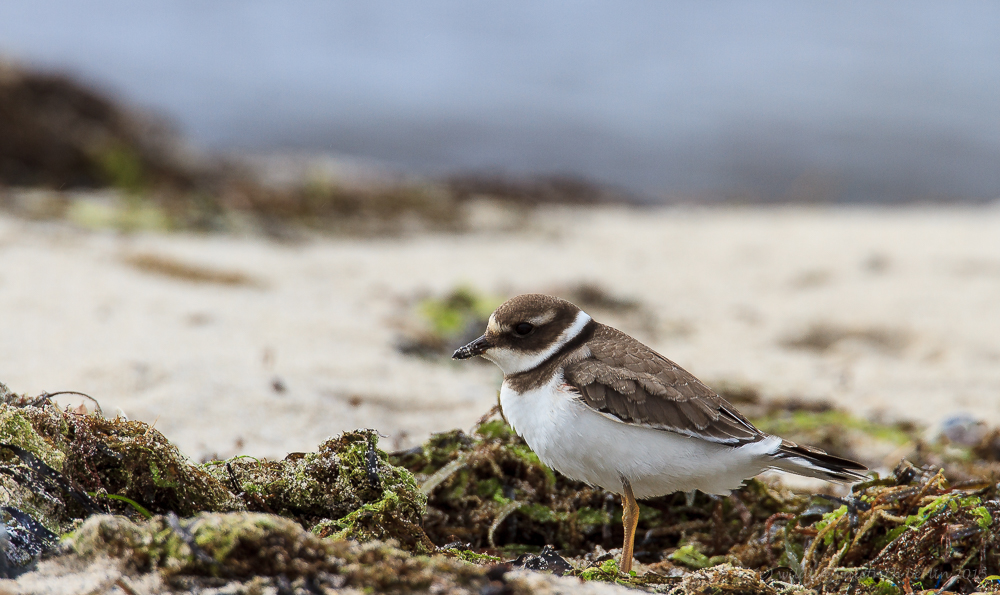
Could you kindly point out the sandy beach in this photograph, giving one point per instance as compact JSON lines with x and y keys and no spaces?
{"x":893,"y":313}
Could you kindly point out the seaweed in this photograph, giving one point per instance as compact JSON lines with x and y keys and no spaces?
{"x":42,"y":479}
{"x":912,"y":527}
{"x":72,"y":466}
{"x":125,"y":458}
{"x":254,"y":545}
{"x":22,"y":541}
{"x":460,"y":511}
{"x":346,"y":489}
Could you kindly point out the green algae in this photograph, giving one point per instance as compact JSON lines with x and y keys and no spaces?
{"x":16,"y":429}
{"x":689,"y":556}
{"x":606,"y":571}
{"x":249,"y":545}
{"x":21,"y":491}
{"x":392,"y":517}
{"x":347,"y":489}
{"x":129,"y":459}
{"x":983,"y":517}
{"x":828,"y":518}
{"x":135,"y":505}
{"x":496,"y":429}
{"x":471,"y":556}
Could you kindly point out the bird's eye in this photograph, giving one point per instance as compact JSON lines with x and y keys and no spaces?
{"x":523,"y":328}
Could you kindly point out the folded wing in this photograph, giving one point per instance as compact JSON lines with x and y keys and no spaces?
{"x":629,"y":381}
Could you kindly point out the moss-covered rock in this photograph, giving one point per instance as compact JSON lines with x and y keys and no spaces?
{"x":347,"y":488}
{"x":120,"y":462}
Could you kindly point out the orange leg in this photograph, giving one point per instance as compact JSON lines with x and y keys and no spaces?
{"x":630,"y":518}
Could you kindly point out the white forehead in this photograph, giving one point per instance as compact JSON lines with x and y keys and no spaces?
{"x":492,"y":326}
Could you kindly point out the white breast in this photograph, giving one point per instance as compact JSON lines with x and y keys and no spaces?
{"x":585,"y":445}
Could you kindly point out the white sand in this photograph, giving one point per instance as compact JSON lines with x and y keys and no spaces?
{"x":726,"y":287}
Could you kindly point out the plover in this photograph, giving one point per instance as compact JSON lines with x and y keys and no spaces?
{"x":600,"y":407}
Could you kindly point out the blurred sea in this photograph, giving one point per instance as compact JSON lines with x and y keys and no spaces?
{"x":852,"y":100}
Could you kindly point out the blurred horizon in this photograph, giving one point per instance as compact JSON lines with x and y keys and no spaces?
{"x":839,"y":102}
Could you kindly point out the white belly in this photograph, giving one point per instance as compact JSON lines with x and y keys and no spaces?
{"x":584,"y":445}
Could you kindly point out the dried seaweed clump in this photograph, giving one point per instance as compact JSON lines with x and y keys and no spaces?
{"x":127,"y":466}
{"x":59,"y":133}
{"x":377,"y":209}
{"x":58,"y":467}
{"x":910,"y":530}
{"x":346,"y":489}
{"x":245,"y":546}
{"x":723,"y":579}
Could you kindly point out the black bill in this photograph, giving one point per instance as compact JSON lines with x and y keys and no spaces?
{"x":477,"y":347}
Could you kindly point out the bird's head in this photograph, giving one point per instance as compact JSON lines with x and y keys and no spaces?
{"x":525,"y":330}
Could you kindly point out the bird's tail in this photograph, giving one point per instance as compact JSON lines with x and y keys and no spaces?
{"x":813,"y":462}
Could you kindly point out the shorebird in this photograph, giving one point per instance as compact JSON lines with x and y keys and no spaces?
{"x":600,"y":407}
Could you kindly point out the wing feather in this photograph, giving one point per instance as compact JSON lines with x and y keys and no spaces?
{"x":623,"y":378}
